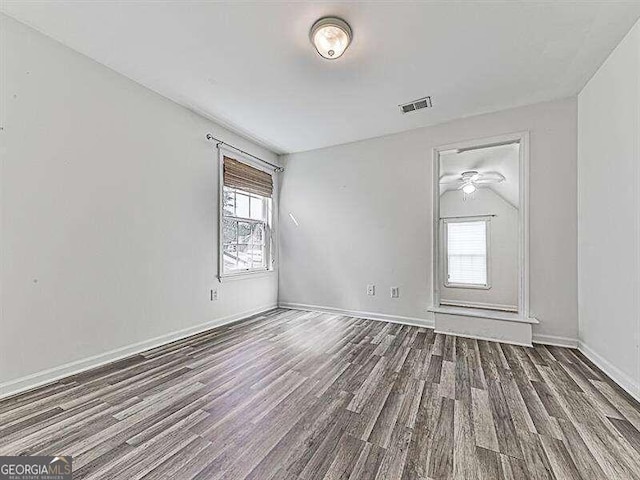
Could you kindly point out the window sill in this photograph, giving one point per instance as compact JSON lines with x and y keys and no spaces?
{"x":479,"y":313}
{"x":482,"y":306}
{"x":245,"y":275}
{"x":472,"y":286}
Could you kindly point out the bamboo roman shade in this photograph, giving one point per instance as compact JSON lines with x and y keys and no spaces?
{"x":248,"y":179}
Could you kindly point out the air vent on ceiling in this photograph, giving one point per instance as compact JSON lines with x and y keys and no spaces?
{"x":416,"y":105}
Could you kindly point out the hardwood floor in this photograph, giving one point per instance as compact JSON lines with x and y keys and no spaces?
{"x":301,"y":395}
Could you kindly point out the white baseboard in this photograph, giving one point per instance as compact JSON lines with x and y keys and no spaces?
{"x":383,"y":317}
{"x":51,"y":375}
{"x":628,"y":384}
{"x":555,"y":341}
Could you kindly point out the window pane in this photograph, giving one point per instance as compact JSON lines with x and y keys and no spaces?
{"x":257,"y":210}
{"x":244,"y":257}
{"x":467,"y":253}
{"x":244,"y":232}
{"x":242,"y":205}
{"x":228,"y":201}
{"x":243,"y":243}
{"x":257,"y":235}
{"x":230,"y":258}
{"x":229,"y":230}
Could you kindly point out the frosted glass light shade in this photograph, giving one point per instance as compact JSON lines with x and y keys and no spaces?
{"x":331,"y":37}
{"x":469,"y":188}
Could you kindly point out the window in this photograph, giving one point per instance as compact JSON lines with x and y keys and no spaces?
{"x":466,"y":256}
{"x":245,"y":230}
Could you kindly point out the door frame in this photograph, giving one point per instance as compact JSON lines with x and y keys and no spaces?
{"x":523,"y":215}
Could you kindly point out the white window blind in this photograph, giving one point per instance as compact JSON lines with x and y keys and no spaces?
{"x":467,"y":253}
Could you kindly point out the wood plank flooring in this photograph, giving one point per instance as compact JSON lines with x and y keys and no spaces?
{"x":307,"y":395}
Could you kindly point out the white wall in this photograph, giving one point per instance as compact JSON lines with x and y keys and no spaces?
{"x":609,"y":218}
{"x":503,"y":248}
{"x":109,"y":205}
{"x":364,"y":217}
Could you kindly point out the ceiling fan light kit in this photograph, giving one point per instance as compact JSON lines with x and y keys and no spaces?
{"x":471,"y":180}
{"x":469,"y":188}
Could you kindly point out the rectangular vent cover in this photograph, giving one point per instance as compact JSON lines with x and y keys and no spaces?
{"x":416,"y":105}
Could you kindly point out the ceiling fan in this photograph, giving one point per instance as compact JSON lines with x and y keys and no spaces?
{"x":470,"y":180}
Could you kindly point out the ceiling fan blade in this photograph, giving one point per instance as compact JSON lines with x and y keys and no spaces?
{"x":489,"y":177}
{"x":450,"y":179}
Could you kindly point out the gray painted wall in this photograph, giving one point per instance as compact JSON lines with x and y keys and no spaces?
{"x":109,"y":211}
{"x":364,"y":217}
{"x":609,"y":218}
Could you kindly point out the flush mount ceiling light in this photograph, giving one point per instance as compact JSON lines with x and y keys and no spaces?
{"x":331,"y":36}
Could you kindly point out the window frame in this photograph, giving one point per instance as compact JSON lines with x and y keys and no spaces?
{"x":270,"y":227}
{"x":445,"y":251}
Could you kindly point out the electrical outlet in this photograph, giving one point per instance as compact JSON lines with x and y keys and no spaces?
{"x":371,"y":290}
{"x":395,"y":292}
{"x":214,"y":295}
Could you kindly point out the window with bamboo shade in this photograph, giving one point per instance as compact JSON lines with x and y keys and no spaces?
{"x":246,"y":218}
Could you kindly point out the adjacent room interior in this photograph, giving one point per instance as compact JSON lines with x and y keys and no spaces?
{"x":309,"y":240}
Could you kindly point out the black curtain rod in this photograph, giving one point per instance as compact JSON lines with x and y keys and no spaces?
{"x":219,"y":142}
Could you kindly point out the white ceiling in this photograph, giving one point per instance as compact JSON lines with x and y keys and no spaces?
{"x":250,"y":66}
{"x":504,"y":159}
